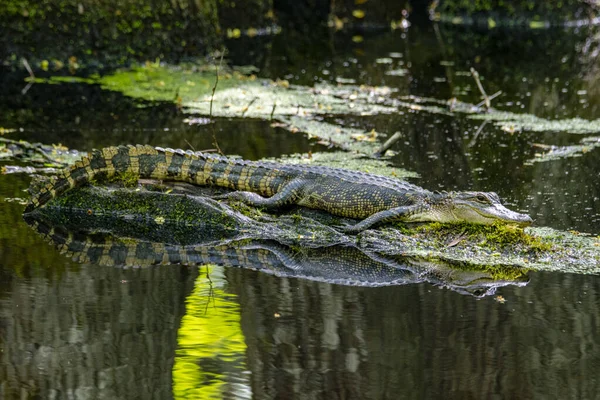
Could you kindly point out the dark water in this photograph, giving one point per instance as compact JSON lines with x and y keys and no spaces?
{"x":87,"y":331}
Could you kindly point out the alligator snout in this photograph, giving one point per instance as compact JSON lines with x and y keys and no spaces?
{"x":524,"y":220}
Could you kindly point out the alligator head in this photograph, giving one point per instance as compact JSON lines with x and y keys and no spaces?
{"x":474,"y":207}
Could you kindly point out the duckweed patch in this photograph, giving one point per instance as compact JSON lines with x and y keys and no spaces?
{"x":505,"y":120}
{"x":294,"y":107}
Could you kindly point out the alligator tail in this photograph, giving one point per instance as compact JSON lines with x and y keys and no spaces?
{"x":99,"y":164}
{"x":142,"y":161}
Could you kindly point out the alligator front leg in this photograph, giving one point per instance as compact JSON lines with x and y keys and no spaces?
{"x":288,"y":194}
{"x":393,"y":214}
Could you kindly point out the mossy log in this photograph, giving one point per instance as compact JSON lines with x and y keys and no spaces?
{"x":185,"y":215}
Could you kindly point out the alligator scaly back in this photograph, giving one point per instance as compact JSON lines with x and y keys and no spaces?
{"x":144,"y":161}
{"x":371,"y":198}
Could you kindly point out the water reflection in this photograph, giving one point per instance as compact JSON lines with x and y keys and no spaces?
{"x":210,"y":360}
{"x":91,"y":332}
{"x":344,"y":264}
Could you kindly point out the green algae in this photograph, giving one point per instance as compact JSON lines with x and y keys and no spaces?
{"x":496,"y":236}
{"x":510,"y":121}
{"x":127,"y":179}
{"x":238,"y":95}
{"x":294,"y":107}
{"x":546,"y":250}
{"x":345,"y":138}
{"x":130,"y":212}
{"x":505,"y":120}
{"x":305,"y":109}
{"x":59,"y":80}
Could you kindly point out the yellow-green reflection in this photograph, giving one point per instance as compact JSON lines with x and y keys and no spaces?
{"x":210,"y":359}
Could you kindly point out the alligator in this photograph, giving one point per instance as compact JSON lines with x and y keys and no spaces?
{"x":370,"y":198}
{"x":339,"y":264}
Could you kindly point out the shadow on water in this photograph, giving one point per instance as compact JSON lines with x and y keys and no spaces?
{"x":71,"y":330}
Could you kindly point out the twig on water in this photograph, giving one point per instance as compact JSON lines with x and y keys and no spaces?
{"x":249,"y":105}
{"x":211,"y":294}
{"x":388,"y":143}
{"x":492,"y":97}
{"x":31,"y":76}
{"x":215,"y":143}
{"x":28,"y":68}
{"x":273,"y":110}
{"x":486,"y":99}
{"x":216,"y":83}
{"x":476,"y":135}
{"x":189,"y":144}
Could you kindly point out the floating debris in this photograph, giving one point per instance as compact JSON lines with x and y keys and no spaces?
{"x":552,"y":153}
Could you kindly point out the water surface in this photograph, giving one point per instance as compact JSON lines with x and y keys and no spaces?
{"x":86,"y":331}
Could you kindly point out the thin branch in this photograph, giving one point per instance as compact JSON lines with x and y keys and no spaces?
{"x":28,"y":68}
{"x":476,"y":135}
{"x":189,"y":144}
{"x":216,"y":83}
{"x":215,"y":143}
{"x":27,"y":87}
{"x":211,"y":294}
{"x":31,"y":76}
{"x":486,"y":99}
{"x":492,"y":97}
{"x":388,"y":143}
{"x":249,"y":105}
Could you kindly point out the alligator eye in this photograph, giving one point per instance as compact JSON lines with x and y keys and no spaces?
{"x":482,"y":198}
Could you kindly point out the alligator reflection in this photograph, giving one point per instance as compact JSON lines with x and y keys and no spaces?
{"x":338,"y":264}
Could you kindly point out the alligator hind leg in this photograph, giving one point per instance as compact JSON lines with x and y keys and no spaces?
{"x":393,"y":214}
{"x":289,"y":194}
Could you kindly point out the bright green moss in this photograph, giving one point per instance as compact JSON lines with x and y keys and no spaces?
{"x":127,"y":179}
{"x":494,"y":236}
